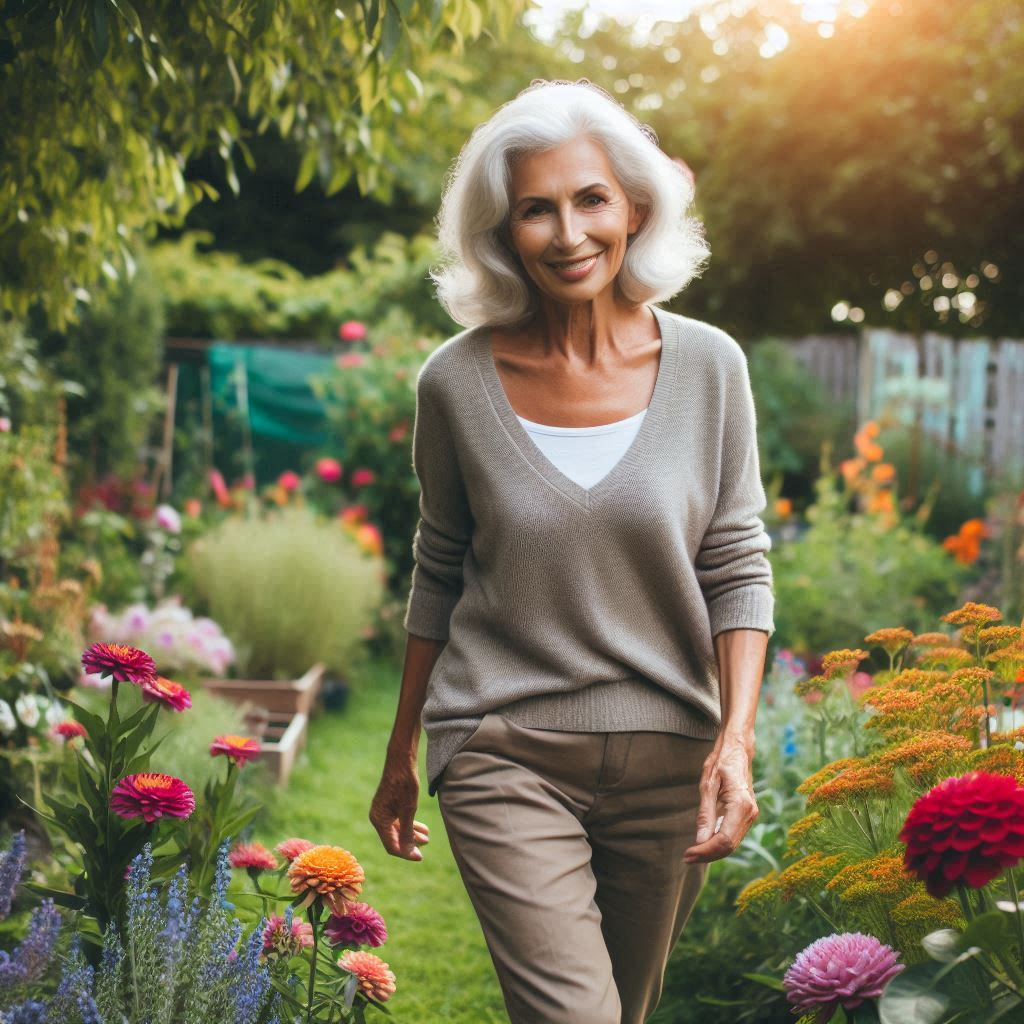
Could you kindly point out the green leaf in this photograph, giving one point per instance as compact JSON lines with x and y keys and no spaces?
{"x":61,"y":898}
{"x":765,"y":979}
{"x":911,"y":998}
{"x":307,"y":168}
{"x":392,"y":33}
{"x":371,"y":15}
{"x":990,"y":931}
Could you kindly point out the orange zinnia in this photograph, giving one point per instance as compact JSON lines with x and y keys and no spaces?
{"x":327,"y":871}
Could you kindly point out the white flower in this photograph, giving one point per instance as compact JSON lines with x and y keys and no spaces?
{"x":167,"y":518}
{"x":54,"y":713}
{"x":28,"y":710}
{"x":8,"y":723}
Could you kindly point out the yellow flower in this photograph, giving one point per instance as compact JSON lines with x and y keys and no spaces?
{"x":823,"y":775}
{"x":890,"y":640}
{"x":920,"y":909}
{"x":801,"y":828}
{"x":867,"y":780}
{"x":843,"y":661}
{"x":917,"y":679}
{"x":807,"y":875}
{"x":758,"y":894}
{"x":972,"y":614}
{"x":949,"y":657}
{"x":327,"y":871}
{"x":1000,"y":634}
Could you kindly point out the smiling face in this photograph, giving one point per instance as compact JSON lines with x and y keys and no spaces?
{"x":570,"y":220}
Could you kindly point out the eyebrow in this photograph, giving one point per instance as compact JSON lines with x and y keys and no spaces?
{"x":578,"y":192}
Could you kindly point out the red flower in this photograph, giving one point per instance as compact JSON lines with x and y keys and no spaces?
{"x":965,"y":830}
{"x":289,"y":481}
{"x":119,"y":661}
{"x":291,"y":848}
{"x":167,"y":692}
{"x":239,"y":749}
{"x":363,"y":477}
{"x":353,"y":513}
{"x":252,"y":855}
{"x":352,"y":330}
{"x":329,"y":470}
{"x":69,"y":730}
{"x":151,"y":795}
{"x":347,"y":359}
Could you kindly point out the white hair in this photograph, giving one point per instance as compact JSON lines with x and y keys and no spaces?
{"x":479,"y":278}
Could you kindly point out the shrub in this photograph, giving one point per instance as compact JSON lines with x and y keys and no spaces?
{"x":288,"y":589}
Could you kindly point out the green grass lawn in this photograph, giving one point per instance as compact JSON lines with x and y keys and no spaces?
{"x":435,"y":945}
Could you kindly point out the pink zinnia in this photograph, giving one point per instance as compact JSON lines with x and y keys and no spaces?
{"x":279,"y":941}
{"x":839,"y":970}
{"x":363,"y":477}
{"x":119,"y":661}
{"x":252,"y":855}
{"x":239,"y":749}
{"x":220,"y":488}
{"x":329,"y":470}
{"x":151,"y":795}
{"x":360,"y":925}
{"x":376,"y":980}
{"x":349,"y":359}
{"x":291,"y":848}
{"x":69,"y":729}
{"x":352,"y":330}
{"x":289,"y":481}
{"x":167,"y":692}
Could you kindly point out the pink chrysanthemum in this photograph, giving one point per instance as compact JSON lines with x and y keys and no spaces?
{"x":122,"y":662}
{"x":252,"y":855}
{"x":239,"y":749}
{"x":839,"y":970}
{"x":278,"y":940}
{"x":965,"y":830}
{"x":291,"y":848}
{"x":167,"y":692}
{"x":376,"y":980}
{"x":151,"y":795}
{"x":360,"y":925}
{"x":69,"y":729}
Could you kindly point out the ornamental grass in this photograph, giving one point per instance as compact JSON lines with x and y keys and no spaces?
{"x":919,"y":835}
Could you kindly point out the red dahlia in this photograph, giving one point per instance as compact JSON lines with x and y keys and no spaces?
{"x":151,"y":795}
{"x":965,"y":830}
{"x":121,"y":662}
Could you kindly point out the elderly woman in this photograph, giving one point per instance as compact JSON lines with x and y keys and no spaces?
{"x":591,"y":601}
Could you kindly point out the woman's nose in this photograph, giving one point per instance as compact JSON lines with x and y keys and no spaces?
{"x":568,"y":230}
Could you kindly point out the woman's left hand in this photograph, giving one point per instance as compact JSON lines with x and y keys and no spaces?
{"x":726,"y":791}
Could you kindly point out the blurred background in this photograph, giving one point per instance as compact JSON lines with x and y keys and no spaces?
{"x":215,"y":229}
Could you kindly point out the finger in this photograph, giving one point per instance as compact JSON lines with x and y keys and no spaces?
{"x":708,"y":810}
{"x":408,"y":840}
{"x":718,"y":846}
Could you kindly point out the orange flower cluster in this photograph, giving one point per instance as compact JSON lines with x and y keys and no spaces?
{"x":945,"y":657}
{"x":807,"y":875}
{"x":926,"y":756}
{"x":930,"y":639}
{"x":965,"y":545}
{"x":892,"y":640}
{"x":801,"y":828}
{"x":758,"y":895}
{"x":840,"y":662}
{"x":882,"y":875}
{"x":825,"y":774}
{"x":972,"y":614}
{"x":859,"y":782}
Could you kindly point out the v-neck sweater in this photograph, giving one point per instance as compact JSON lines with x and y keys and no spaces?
{"x":585,"y":609}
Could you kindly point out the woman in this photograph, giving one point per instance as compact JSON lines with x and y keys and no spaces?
{"x":591,"y":600}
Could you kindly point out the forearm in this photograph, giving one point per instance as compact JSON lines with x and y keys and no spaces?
{"x":420,"y":656}
{"x":741,"y":658}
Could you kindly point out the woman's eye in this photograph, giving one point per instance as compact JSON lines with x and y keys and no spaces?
{"x":600,"y":199}
{"x":530,"y":211}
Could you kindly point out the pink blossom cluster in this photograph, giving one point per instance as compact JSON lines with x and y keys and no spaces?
{"x":178,"y":642}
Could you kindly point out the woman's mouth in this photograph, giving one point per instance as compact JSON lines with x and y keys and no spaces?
{"x":575,"y":270}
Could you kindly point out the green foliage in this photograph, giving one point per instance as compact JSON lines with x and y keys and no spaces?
{"x":115,"y":351}
{"x":215,"y":295}
{"x":288,"y":590}
{"x":795,"y":415}
{"x":854,"y":572}
{"x":371,"y":409}
{"x":102,"y":104}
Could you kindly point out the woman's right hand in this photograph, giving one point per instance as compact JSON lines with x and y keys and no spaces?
{"x":393,"y":808}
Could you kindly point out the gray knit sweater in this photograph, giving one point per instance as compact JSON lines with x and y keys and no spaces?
{"x":584,"y":609}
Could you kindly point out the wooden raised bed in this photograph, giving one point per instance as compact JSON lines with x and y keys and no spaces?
{"x":286,"y":696}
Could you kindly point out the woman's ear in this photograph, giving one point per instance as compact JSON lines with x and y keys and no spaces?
{"x":637,"y":217}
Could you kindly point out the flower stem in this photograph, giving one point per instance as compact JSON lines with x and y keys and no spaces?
{"x":1018,"y":910}
{"x":965,"y":903}
{"x":314,"y":915}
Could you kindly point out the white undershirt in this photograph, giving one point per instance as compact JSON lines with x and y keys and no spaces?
{"x":585,"y":454}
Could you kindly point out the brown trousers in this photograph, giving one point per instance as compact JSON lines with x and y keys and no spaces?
{"x":570,"y":845}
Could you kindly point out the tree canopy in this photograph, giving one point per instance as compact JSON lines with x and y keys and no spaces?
{"x":102,"y":102}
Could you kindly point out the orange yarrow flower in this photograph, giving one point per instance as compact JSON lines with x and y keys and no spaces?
{"x":930,"y":640}
{"x":891,"y":640}
{"x":949,"y":657}
{"x":868,"y":780}
{"x":972,"y":614}
{"x":840,"y":662}
{"x":329,"y":872}
{"x":824,"y":774}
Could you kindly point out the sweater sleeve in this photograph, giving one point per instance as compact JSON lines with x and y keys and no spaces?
{"x":445,"y":525}
{"x":732,"y":564}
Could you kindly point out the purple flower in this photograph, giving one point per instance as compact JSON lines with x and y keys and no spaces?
{"x":839,"y":970}
{"x":360,"y":926}
{"x":32,"y":957}
{"x":12,"y":865}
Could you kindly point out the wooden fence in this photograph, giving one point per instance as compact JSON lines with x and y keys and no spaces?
{"x":970,"y":393}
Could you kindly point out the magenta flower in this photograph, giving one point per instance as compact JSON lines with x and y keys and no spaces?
{"x":289,"y":480}
{"x":291,"y":848}
{"x":121,"y":662}
{"x":839,"y":970}
{"x":329,"y":470}
{"x":151,"y":795}
{"x":167,"y":692}
{"x":252,"y":855}
{"x":352,"y":330}
{"x":363,"y":477}
{"x":279,"y":940}
{"x":361,"y":925}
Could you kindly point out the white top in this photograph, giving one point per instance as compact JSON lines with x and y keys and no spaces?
{"x":585,"y":454}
